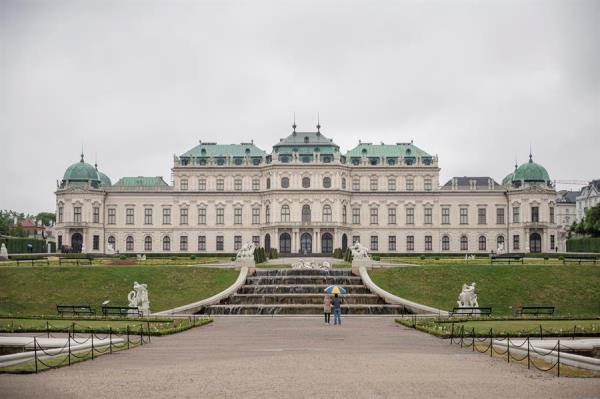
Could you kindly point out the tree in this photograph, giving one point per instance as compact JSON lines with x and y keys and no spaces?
{"x":591,"y":221}
{"x":46,"y":218}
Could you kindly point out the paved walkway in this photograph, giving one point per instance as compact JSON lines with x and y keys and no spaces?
{"x":297,"y":357}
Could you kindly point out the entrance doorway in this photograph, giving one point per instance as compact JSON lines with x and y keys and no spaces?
{"x":76,"y":242}
{"x":306,"y":243}
{"x":285,"y":243}
{"x":344,"y":242}
{"x":535,"y":243}
{"x":267,"y":243}
{"x":326,"y":243}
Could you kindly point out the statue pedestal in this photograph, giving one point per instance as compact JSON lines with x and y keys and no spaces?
{"x":3,"y":252}
{"x":357,"y":263}
{"x":249,"y":263}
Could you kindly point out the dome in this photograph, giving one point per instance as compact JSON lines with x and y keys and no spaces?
{"x":508,"y":179}
{"x":531,"y":172}
{"x":104,"y":180}
{"x":81,"y":172}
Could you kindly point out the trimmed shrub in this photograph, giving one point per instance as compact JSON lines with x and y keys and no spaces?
{"x":122,"y":257}
{"x":422,"y":257}
{"x":337,"y":253}
{"x":585,"y":244}
{"x":16,"y":245}
{"x":273,"y":253}
{"x":376,"y":257}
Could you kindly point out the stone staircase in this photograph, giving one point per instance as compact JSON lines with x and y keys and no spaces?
{"x":288,"y":291}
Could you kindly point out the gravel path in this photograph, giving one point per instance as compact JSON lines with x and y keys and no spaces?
{"x":299,"y":357}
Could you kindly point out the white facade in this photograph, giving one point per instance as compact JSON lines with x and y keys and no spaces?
{"x":588,"y":198}
{"x":306,"y":197}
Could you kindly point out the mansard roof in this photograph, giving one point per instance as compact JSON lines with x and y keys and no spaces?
{"x":224,"y":150}
{"x":567,"y":197}
{"x":141,"y":181}
{"x":311,"y":139}
{"x":464,"y":183}
{"x":387,"y":150}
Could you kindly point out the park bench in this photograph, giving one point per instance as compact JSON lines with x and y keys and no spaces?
{"x":33,"y":261}
{"x":471,"y":312}
{"x":535,"y":310}
{"x":506,"y":258}
{"x":76,"y":310}
{"x":120,"y":311}
{"x":579,"y":259}
{"x":78,"y":261}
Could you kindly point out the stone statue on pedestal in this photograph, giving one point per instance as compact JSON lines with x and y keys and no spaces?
{"x":138,"y":298}
{"x":3,"y":252}
{"x":468,"y":297}
{"x":360,"y":257}
{"x":245,"y":257}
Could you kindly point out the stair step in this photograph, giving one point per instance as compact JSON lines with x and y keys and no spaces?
{"x":300,"y":309}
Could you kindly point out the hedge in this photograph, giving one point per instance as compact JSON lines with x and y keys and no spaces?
{"x":18,"y":245}
{"x":586,"y":244}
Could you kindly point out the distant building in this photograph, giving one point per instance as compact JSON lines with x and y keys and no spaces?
{"x":566,"y":214}
{"x":589,"y":197}
{"x":307,"y":196}
{"x":32,"y":228}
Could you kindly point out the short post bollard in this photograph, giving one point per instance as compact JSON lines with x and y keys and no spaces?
{"x":528,"y":357}
{"x":473,"y":338}
{"x":92,"y":345}
{"x":35,"y":353}
{"x":491,"y":343}
{"x":558,"y":363}
{"x":127,"y":336}
{"x":110,"y":340}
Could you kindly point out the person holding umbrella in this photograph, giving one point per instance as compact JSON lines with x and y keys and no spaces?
{"x":337,"y":302}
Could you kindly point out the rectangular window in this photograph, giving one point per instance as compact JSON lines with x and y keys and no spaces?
{"x":256,"y":241}
{"x":77,"y":214}
{"x":129,"y":216}
{"x":481,"y":216}
{"x":392,"y":184}
{"x":374,"y":216}
{"x":355,"y":184}
{"x":237,"y":243}
{"x":201,"y":215}
{"x":96,"y":215}
{"x":255,"y":215}
{"x":268,"y":214}
{"x":237,"y":184}
{"x":428,"y":243}
{"x":355,"y":215}
{"x":428,"y":215}
{"x":183,"y":243}
{"x":427,"y":184}
{"x":355,"y":239}
{"x":96,"y":243}
{"x":445,"y":215}
{"x":202,"y":184}
{"x":410,"y":184}
{"x":166,"y":215}
{"x":410,"y":243}
{"x":374,"y":243}
{"x":220,"y":215}
{"x":112,"y":216}
{"x":551,"y":214}
{"x":220,"y":184}
{"x":344,"y":214}
{"x":220,"y":243}
{"x":551,"y":241}
{"x":183,"y":216}
{"x":391,"y":215}
{"x":60,"y":214}
{"x":147,"y":215}
{"x":237,"y":216}
{"x":445,"y":243}
{"x":59,"y":242}
{"x":255,"y":184}
{"x":464,"y":215}
{"x":201,"y":243}
{"x":535,"y":214}
{"x":183,"y":184}
{"x":516,"y":243}
{"x":410,"y":215}
{"x":516,"y":214}
{"x":392,"y":243}
{"x":499,"y":215}
{"x":373,"y":184}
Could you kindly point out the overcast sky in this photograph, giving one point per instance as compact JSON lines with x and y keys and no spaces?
{"x":135,"y":82}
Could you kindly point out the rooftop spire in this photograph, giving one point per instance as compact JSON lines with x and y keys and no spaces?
{"x":530,"y":156}
{"x":318,"y":123}
{"x":294,"y":125}
{"x":81,"y":154}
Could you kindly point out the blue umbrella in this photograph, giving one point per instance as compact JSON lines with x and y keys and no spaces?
{"x":335,"y":289}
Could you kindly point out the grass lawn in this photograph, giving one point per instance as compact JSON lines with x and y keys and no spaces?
{"x":455,"y":260}
{"x":37,"y":290}
{"x":179,"y":260}
{"x":572,"y":289}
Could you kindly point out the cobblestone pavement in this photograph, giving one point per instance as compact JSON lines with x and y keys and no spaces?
{"x":296,"y":357}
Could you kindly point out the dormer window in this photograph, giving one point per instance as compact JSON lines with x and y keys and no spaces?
{"x":247,"y":151}
{"x":364,"y":151}
{"x":203,"y":151}
{"x":306,"y":139}
{"x":237,"y":161}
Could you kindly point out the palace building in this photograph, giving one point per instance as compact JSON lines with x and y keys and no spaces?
{"x":306,"y":196}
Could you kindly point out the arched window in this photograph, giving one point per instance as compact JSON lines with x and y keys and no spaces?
{"x":482,"y":243}
{"x":148,"y":243}
{"x":305,"y":182}
{"x":500,"y":243}
{"x":326,"y":243}
{"x":166,"y":243}
{"x":112,"y":242}
{"x":285,"y":182}
{"x":285,"y":213}
{"x":285,"y":243}
{"x":327,"y":213}
{"x":129,"y":243}
{"x":305,"y":214}
{"x":464,"y":243}
{"x":445,"y":243}
{"x":326,"y":182}
{"x":268,"y":182}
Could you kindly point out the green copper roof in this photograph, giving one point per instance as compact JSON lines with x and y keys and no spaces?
{"x":306,"y":143}
{"x":104,"y":180}
{"x":81,"y":171}
{"x":507,"y":179}
{"x":141,"y":181}
{"x":387,"y":150}
{"x":225,"y":150}
{"x":531,"y":172}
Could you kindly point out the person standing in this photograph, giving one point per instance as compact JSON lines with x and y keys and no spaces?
{"x":327,"y":308}
{"x":337,"y":310}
